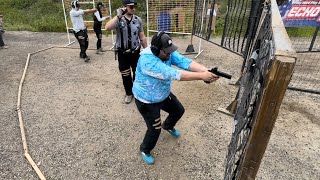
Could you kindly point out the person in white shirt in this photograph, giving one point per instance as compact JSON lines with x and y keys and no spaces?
{"x":97,"y":19}
{"x":79,"y":29}
{"x":2,"y":45}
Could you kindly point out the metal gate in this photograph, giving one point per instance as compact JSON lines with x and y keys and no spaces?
{"x":235,"y":23}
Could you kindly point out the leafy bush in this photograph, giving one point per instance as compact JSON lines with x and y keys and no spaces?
{"x":20,"y":4}
{"x":33,"y":15}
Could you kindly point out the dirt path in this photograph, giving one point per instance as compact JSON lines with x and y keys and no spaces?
{"x":78,"y":128}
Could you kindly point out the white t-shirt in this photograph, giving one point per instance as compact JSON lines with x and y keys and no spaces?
{"x":77,"y":19}
{"x":209,"y":11}
{"x":98,"y":16}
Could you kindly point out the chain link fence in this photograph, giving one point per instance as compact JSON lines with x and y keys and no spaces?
{"x":174,"y":16}
{"x":306,"y":75}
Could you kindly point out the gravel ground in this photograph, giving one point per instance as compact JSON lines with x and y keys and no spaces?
{"x":77,"y":126}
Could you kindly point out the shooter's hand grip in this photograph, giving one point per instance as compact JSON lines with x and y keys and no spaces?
{"x":218,"y":73}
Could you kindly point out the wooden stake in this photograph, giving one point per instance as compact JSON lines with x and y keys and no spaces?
{"x":34,"y":166}
{"x":277,"y":82}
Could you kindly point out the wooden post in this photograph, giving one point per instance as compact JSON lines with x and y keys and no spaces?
{"x":276,"y":85}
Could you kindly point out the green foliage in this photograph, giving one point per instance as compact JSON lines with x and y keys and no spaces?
{"x":222,"y":12}
{"x":33,"y":15}
{"x":141,"y":8}
{"x":300,"y":31}
{"x":20,"y":4}
{"x":45,"y":15}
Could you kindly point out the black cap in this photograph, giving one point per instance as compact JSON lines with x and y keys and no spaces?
{"x":129,"y":2}
{"x":165,"y":43}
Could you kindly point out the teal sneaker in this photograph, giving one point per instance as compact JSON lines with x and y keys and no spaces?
{"x":174,"y":132}
{"x":147,"y":158}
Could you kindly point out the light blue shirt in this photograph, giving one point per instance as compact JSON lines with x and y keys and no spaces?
{"x":153,"y":76}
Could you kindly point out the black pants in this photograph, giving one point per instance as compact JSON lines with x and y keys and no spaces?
{"x":127,"y":61}
{"x":97,"y":30}
{"x":83,"y":40}
{"x":151,"y":115}
{"x":1,"y":40}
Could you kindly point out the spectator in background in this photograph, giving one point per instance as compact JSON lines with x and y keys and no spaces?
{"x":79,"y":28}
{"x":2,"y":45}
{"x":97,"y":19}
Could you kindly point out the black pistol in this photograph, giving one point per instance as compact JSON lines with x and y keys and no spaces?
{"x":220,"y":73}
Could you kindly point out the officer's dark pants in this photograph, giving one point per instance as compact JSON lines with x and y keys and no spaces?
{"x":151,"y":115}
{"x":83,"y":40}
{"x":97,"y":30}
{"x":127,"y":61}
{"x":1,"y":40}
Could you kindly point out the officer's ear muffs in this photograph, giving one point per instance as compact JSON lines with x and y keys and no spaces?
{"x":72,"y":4}
{"x":155,"y":48}
{"x":99,"y":6}
{"x":75,"y":4}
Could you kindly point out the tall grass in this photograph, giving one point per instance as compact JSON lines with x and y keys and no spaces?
{"x":43,"y":15}
{"x":32,"y":15}
{"x":301,"y":31}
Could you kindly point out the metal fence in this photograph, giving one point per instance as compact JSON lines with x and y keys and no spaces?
{"x":200,"y":18}
{"x":307,"y":71}
{"x":238,"y":21}
{"x":237,"y":25}
{"x":234,"y":22}
{"x":265,"y":79}
{"x":171,"y":16}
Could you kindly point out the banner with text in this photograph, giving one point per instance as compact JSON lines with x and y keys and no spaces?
{"x":299,"y":13}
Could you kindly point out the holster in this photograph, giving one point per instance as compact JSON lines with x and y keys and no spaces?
{"x":115,"y":53}
{"x":127,"y":51}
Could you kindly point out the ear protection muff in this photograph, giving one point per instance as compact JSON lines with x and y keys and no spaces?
{"x":75,"y":4}
{"x":99,"y":5}
{"x":155,"y":48}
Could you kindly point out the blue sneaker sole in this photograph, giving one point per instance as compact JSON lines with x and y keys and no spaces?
{"x":173,"y":134}
{"x":149,"y":162}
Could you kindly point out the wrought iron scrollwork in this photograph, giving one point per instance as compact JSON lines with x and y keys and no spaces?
{"x":251,"y":89}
